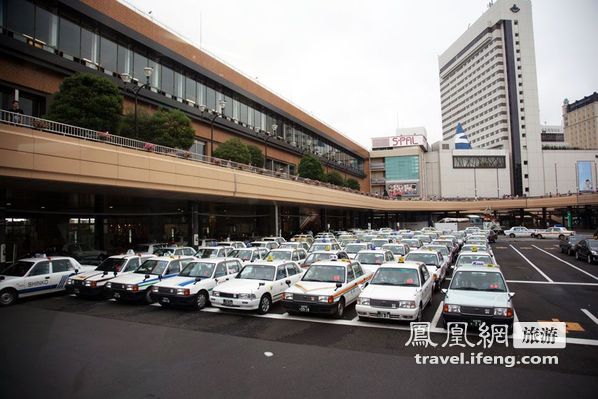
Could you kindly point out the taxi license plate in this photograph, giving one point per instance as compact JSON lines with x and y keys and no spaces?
{"x":304,"y":308}
{"x":117,"y":295}
{"x":384,"y":315}
{"x":76,"y":290}
{"x":227,"y":302}
{"x":165,"y":300}
{"x":475,"y":323}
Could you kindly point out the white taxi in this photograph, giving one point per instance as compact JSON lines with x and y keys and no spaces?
{"x":371,"y":259}
{"x":397,"y":291}
{"x":138,"y":285}
{"x":478,"y":294}
{"x":34,"y":276}
{"x":474,"y":258}
{"x":437,"y":265}
{"x":399,"y":250}
{"x":249,"y":255}
{"x":92,"y":283}
{"x":257,"y":286}
{"x":327,"y":287}
{"x":213,"y":252}
{"x":193,"y":285}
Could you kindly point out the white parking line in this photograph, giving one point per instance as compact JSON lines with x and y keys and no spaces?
{"x":355,"y":318}
{"x":590,"y":315}
{"x":534,"y":266}
{"x":437,"y":314}
{"x":551,"y":283}
{"x":567,"y":263}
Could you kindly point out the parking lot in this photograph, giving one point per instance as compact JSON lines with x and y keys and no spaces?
{"x":104,"y":347}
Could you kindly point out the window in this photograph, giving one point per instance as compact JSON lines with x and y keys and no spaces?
{"x":61,"y":265}
{"x":133,"y":264}
{"x":220,"y":270}
{"x":124,"y":60}
{"x":167,"y":80}
{"x":69,"y":39}
{"x":350,"y":274}
{"x":46,"y":27}
{"x":244,"y":113}
{"x":139,"y":62}
{"x":19,"y":16}
{"x":178,"y":86}
{"x":291,"y":271}
{"x":234,"y":266}
{"x":156,"y":77}
{"x":90,"y":46}
{"x":425,"y":274}
{"x":201,"y":94}
{"x":358,"y":270}
{"x":481,"y":162}
{"x":108,"y":54}
{"x":40,"y":268}
{"x":280,"y":273}
{"x":211,"y":98}
{"x":190,"y":89}
{"x":198,"y":147}
{"x":174,"y":267}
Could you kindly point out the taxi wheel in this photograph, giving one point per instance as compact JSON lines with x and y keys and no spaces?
{"x":577,"y":255}
{"x":8,"y":297}
{"x":419,"y":314}
{"x":539,"y":236}
{"x":201,"y":300}
{"x":512,"y":235}
{"x":340,"y":310}
{"x":589,"y":259}
{"x":148,"y":296}
{"x":265,"y":303}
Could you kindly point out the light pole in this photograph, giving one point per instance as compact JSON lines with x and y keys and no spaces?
{"x":268,"y":137}
{"x":126,"y":78}
{"x":222,"y":104}
{"x":475,"y":184}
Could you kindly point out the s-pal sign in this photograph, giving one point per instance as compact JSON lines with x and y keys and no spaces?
{"x":403,"y":141}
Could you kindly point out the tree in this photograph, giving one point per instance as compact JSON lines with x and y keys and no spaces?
{"x":310,"y":167}
{"x":233,"y":150}
{"x":145,"y":126}
{"x":335,"y":178}
{"x":255,"y":155}
{"x":172,"y":128}
{"x":353,"y":184}
{"x":89,"y":101}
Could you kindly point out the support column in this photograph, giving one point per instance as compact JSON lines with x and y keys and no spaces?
{"x":3,"y":248}
{"x":371,"y":219}
{"x":194,"y":223}
{"x":99,"y":222}
{"x":386,"y":220}
{"x":323,"y":220}
{"x":276,"y":221}
{"x":544,"y":221}
{"x":521,"y":216}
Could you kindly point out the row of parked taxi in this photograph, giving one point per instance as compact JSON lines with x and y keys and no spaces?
{"x":387,"y":274}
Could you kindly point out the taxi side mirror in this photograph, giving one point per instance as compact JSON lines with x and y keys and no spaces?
{"x":366,"y":284}
{"x":288,"y":282}
{"x":338,"y":285}
{"x":76,"y":271}
{"x":444,"y":290}
{"x":511,"y":294}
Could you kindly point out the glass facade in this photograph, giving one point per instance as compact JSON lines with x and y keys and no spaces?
{"x":59,"y":31}
{"x":402,"y":167}
{"x":478,"y":161}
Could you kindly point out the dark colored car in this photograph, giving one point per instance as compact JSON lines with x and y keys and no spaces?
{"x":587,"y":250}
{"x":569,"y":244}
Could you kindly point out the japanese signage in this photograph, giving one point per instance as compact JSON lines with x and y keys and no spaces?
{"x":399,"y":141}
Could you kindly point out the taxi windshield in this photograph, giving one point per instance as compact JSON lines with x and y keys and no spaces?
{"x":324,"y":247}
{"x":441,"y":248}
{"x":379,"y":242}
{"x":198,"y":269}
{"x":207,"y":253}
{"x":473,"y":260}
{"x":325,"y":274}
{"x":243,"y":254}
{"x":427,"y":258}
{"x":163,"y":251}
{"x":354,"y":248}
{"x":394,"y":276}
{"x":279,"y":255}
{"x":111,"y":265}
{"x":18,"y":269}
{"x":478,"y":281}
{"x":257,"y":272}
{"x":411,"y":242}
{"x":370,"y":258}
{"x":317,"y":257}
{"x":395,"y":249}
{"x":152,"y":266}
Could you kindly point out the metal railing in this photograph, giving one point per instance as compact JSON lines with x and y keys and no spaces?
{"x":17,"y":119}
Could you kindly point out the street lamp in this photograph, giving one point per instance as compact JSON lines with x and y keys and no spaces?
{"x":126,"y":78}
{"x":222,"y":104}
{"x":268,"y":137}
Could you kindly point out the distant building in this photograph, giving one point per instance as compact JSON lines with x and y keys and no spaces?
{"x":553,"y":136}
{"x":580,"y":120}
{"x":488,"y":85}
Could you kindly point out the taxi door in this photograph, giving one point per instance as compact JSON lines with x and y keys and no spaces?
{"x":353,"y":293}
{"x":427,"y":285}
{"x":279,"y":283}
{"x":62,"y":269}
{"x":38,"y":280}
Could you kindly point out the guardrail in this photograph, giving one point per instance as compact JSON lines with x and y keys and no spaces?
{"x":46,"y":125}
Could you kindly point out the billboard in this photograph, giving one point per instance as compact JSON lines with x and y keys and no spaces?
{"x":402,"y":189}
{"x":585,"y":176}
{"x":400,"y":141}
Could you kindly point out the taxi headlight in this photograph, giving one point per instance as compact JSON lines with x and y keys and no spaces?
{"x":363,"y":301}
{"x":451,"y":308}
{"x":246,"y":296}
{"x":69,"y":281}
{"x":91,"y":284}
{"x":182,"y":291}
{"x":132,"y":287}
{"x":326,"y":298}
{"x":504,"y":312}
{"x":155,"y":289}
{"x":287,"y":296}
{"x":108,"y":285}
{"x":594,"y":253}
{"x":216,"y":293}
{"x":407,"y":304}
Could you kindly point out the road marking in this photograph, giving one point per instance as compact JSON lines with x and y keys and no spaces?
{"x":525,"y":247}
{"x":156,"y":304}
{"x":590,"y":315}
{"x":515,"y":318}
{"x":570,"y":325}
{"x":551,"y":283}
{"x":568,"y":264}
{"x":534,"y":266}
{"x":582,"y":341}
{"x":501,"y":247}
{"x":355,"y":318}
{"x":285,"y":314}
{"x":437,"y":314}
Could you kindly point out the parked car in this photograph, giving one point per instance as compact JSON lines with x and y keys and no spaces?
{"x":569,"y":244}
{"x":587,"y":250}
{"x":520,"y":231}
{"x":554,"y":232}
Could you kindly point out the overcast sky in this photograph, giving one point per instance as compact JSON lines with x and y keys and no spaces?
{"x":365,"y":66}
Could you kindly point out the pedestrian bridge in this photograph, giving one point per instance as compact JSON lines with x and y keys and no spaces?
{"x":38,"y":155}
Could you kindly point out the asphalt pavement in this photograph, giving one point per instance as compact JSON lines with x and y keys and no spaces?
{"x":64,"y":346}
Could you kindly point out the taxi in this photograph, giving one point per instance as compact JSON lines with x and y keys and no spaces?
{"x":34,"y":276}
{"x":353,"y":248}
{"x":324,"y":246}
{"x":397,"y":291}
{"x":257,"y":286}
{"x":413,"y":243}
{"x":296,"y":255}
{"x":437,"y":265}
{"x":249,"y":255}
{"x":193,"y":285}
{"x":213,"y":252}
{"x":322,"y":255}
{"x":265,"y":244}
{"x":295,"y":245}
{"x":478,"y":294}
{"x":370,"y":260}
{"x":136,"y":286}
{"x":474,"y":258}
{"x":398,"y":250}
{"x":174,"y":250}
{"x":327,"y":287}
{"x":92,"y":283}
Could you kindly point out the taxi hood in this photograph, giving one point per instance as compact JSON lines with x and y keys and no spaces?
{"x":478,"y":298}
{"x":313,"y":288}
{"x":178,"y":281}
{"x":240,"y":285}
{"x":390,"y":292}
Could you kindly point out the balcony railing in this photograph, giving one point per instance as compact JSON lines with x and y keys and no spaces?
{"x":16,"y":119}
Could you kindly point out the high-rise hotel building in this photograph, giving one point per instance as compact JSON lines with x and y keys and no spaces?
{"x":488,"y":84}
